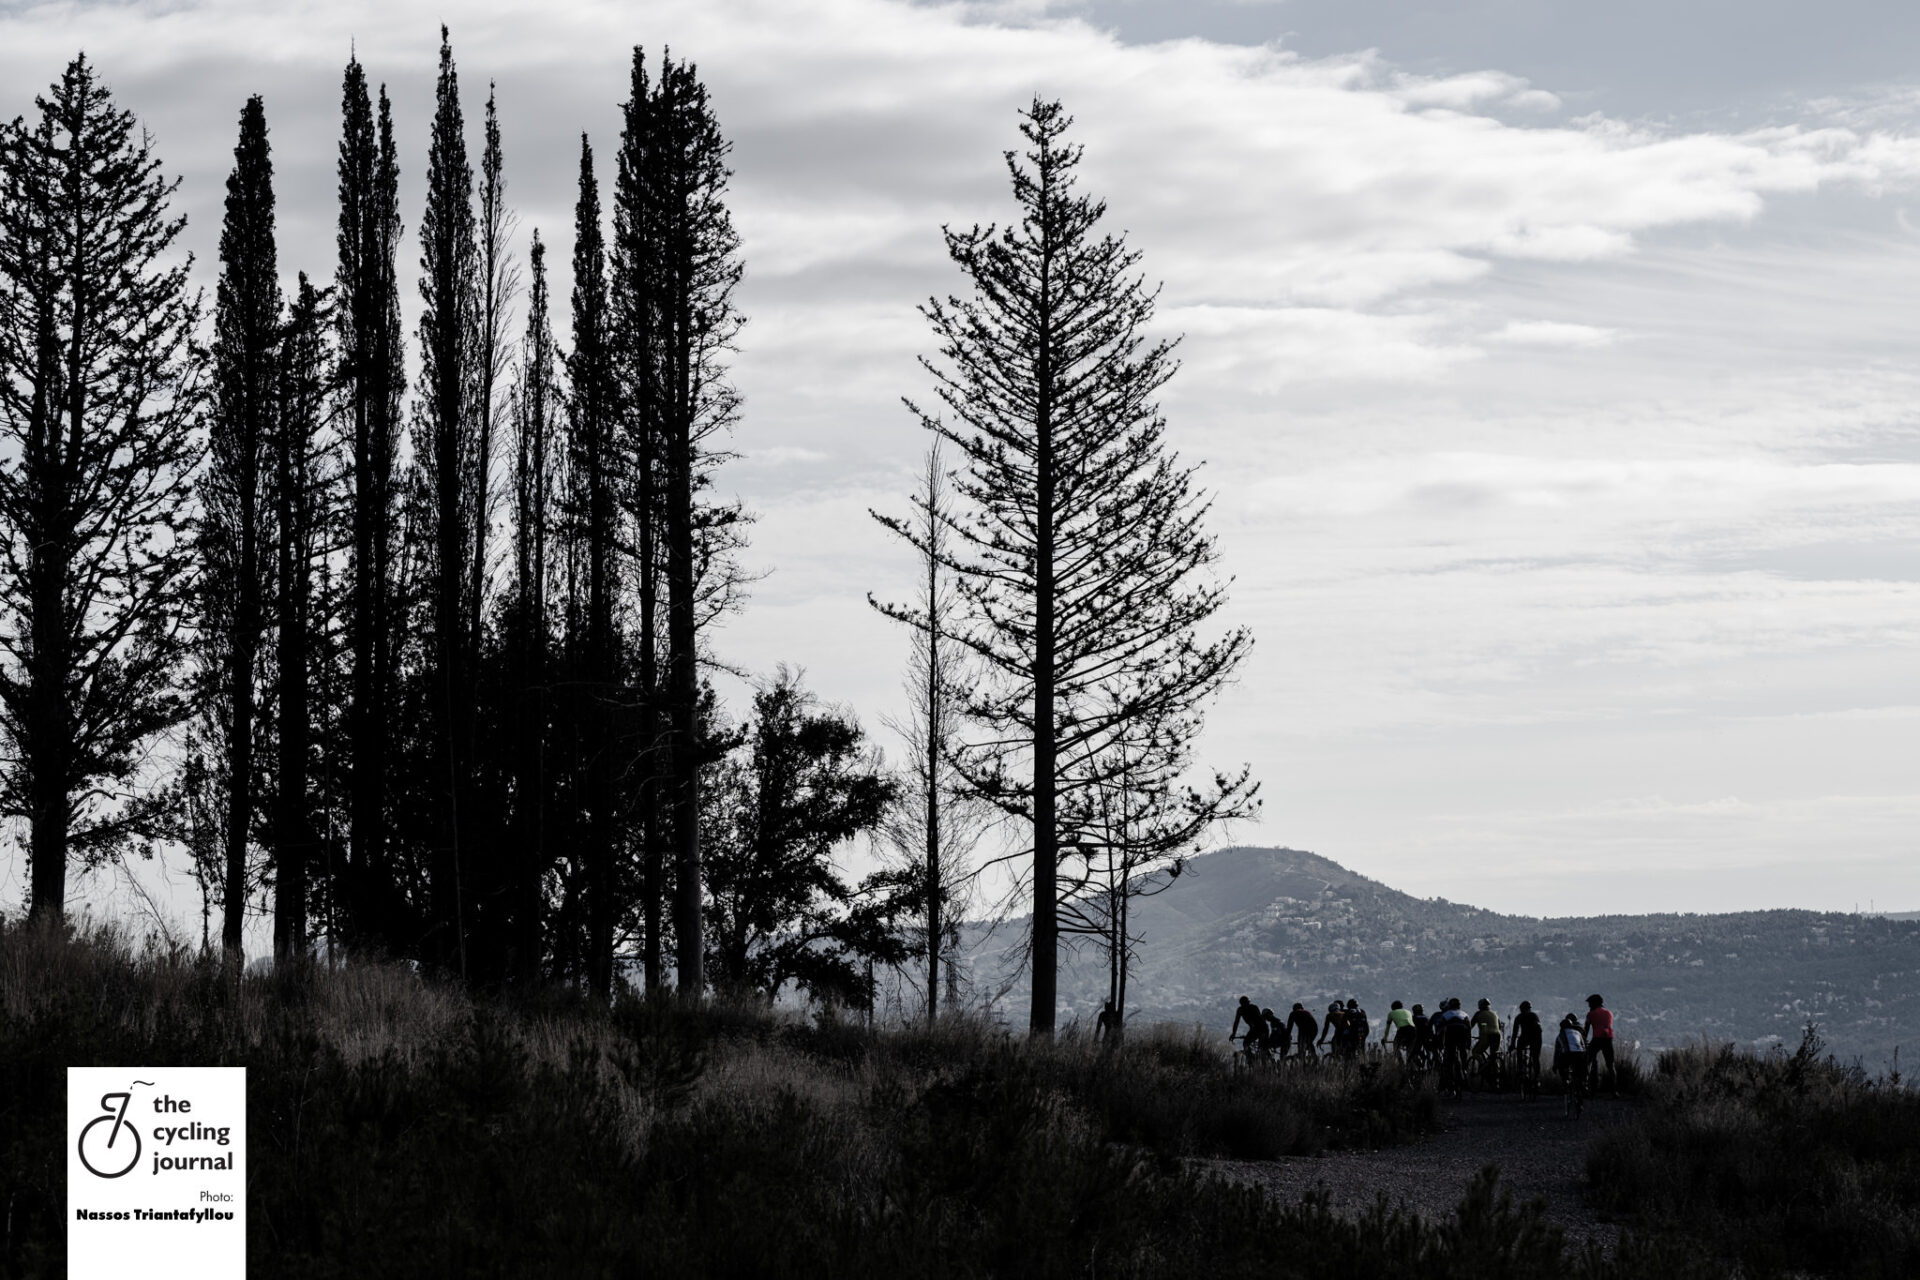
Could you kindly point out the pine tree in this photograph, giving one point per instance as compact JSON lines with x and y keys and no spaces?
{"x":1081,"y":560}
{"x":232,"y":490}
{"x":697,"y":271}
{"x":100,"y":389}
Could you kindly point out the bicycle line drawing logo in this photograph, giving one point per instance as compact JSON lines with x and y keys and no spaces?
{"x":111,"y":1153}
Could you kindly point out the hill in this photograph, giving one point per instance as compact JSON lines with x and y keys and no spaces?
{"x":1284,"y":925}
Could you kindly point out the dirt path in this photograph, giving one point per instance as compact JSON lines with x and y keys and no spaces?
{"x":1540,"y":1153}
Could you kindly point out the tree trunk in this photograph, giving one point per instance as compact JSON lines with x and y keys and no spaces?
{"x":682,"y":674}
{"x":935,"y":733}
{"x":1046,"y":928}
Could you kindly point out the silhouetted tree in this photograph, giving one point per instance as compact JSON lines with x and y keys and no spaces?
{"x":446,"y":445}
{"x":633,"y":316}
{"x":594,"y":467}
{"x":499,"y":282}
{"x":537,"y":406}
{"x":781,"y":911}
{"x":697,"y":271}
{"x":939,"y":820}
{"x":100,"y":391}
{"x":1081,"y":558}
{"x":367,"y":311}
{"x":300,"y":488}
{"x":1139,"y":819}
{"x":246,"y":321}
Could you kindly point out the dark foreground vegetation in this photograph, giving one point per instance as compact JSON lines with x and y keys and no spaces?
{"x":399,"y":1127}
{"x":1786,"y":1163}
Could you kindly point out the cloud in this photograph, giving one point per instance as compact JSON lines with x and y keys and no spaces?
{"x":1458,"y":502}
{"x":1553,"y":333}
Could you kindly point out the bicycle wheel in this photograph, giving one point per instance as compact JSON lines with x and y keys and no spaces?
{"x":104,"y":1162}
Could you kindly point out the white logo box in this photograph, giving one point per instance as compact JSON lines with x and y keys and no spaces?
{"x":157,"y":1173}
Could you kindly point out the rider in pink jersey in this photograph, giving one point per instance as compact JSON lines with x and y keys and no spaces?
{"x":1599,"y":1029}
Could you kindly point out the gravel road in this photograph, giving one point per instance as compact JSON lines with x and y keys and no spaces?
{"x":1540,"y":1153}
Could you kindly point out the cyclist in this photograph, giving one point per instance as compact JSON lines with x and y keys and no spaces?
{"x":1599,"y":1031}
{"x":1455,"y":1031}
{"x":1486,"y":1026}
{"x":1525,"y":1034}
{"x":1357,"y":1027}
{"x":1276,"y":1034}
{"x":1570,"y":1053}
{"x":1399,"y":1029}
{"x":1256,"y":1035}
{"x":1334,"y":1029}
{"x":1305,"y":1028}
{"x":1422,"y":1036}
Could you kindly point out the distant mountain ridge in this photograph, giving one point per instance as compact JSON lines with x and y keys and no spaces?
{"x":1282,"y":925}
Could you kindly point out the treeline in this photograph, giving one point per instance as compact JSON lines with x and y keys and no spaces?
{"x":420,"y":660}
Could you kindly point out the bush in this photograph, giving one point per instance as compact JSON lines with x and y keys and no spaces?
{"x":405,"y":1127}
{"x":1789,"y":1163}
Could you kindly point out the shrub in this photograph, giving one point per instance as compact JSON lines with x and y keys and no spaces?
{"x":401,"y":1126}
{"x":1785,"y":1162}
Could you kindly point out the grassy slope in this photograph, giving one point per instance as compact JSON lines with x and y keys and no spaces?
{"x":1789,"y":1163}
{"x":399,"y":1127}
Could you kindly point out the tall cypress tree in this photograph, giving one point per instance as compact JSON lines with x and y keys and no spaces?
{"x":367,"y":311}
{"x":594,"y":465}
{"x":633,"y":308}
{"x":529,"y":630}
{"x":697,"y":270}
{"x":497,"y":282}
{"x":298,"y":493}
{"x":445,"y":447}
{"x":100,"y":392}
{"x":246,"y":337}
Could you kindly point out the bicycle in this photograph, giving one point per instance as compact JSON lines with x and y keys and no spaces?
{"x":1250,"y":1056}
{"x":1573,"y":1081}
{"x":1453,"y":1073}
{"x":1486,"y":1066}
{"x":1526,"y":1069}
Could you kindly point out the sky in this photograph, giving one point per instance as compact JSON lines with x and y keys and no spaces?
{"x":1552,"y":366}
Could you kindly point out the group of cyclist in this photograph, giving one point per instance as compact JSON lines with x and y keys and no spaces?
{"x":1459,"y":1044}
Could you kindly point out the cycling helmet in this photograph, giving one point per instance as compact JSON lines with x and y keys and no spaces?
{"x":1398,"y":1005}
{"x":1419,"y":1008}
{"x":1267,"y":1013}
{"x":1334,"y":1007}
{"x":1353,"y":1004}
{"x":1485,"y":1003}
{"x":1526,"y":1006}
{"x":1594,"y":1001}
{"x":1298,"y":1007}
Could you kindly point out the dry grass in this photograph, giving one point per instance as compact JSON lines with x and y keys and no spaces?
{"x":403,"y":1126}
{"x":1790,"y":1163}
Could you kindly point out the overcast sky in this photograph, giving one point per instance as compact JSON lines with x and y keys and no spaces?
{"x":1553,"y":365}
